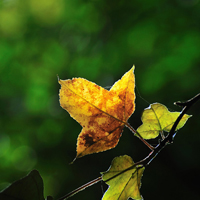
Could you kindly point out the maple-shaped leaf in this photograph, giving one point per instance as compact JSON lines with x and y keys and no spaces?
{"x":157,"y":118}
{"x":123,"y":178}
{"x":100,"y":112}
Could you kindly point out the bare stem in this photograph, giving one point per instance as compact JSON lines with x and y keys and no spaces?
{"x":170,"y":136}
{"x":139,"y":136}
{"x":154,"y":150}
{"x":81,"y":188}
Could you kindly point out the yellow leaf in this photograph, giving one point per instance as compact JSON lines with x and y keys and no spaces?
{"x":156,"y":118}
{"x":100,"y":112}
{"x":124,"y":179}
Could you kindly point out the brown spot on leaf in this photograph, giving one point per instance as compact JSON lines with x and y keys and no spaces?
{"x":101,"y":113}
{"x":88,"y":140}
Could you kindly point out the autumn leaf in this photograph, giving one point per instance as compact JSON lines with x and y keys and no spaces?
{"x":123,"y":178}
{"x":100,"y":112}
{"x":156,"y":118}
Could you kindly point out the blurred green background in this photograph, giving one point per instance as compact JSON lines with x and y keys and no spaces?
{"x":100,"y":41}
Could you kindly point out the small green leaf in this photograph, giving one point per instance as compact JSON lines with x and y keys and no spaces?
{"x":156,"y":118}
{"x":123,"y":178}
{"x":27,"y":188}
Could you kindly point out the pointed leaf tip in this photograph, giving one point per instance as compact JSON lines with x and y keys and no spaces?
{"x":100,"y":112}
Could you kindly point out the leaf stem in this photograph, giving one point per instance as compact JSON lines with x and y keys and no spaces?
{"x":169,"y":138}
{"x":155,"y":150}
{"x":140,"y":137}
{"x":81,"y":188}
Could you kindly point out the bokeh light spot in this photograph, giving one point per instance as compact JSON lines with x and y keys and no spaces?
{"x":50,"y":132}
{"x":11,"y":22}
{"x":4,"y":144}
{"x":24,"y":158}
{"x":46,"y":11}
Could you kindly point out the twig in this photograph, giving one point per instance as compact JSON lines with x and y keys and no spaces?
{"x":81,"y":188}
{"x":155,"y":150}
{"x":170,"y":136}
{"x":139,"y":136}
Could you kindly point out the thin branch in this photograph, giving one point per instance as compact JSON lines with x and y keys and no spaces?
{"x":81,"y":188}
{"x":186,"y":107}
{"x":155,"y":150}
{"x":169,"y":138}
{"x":139,"y":136}
{"x":189,"y":102}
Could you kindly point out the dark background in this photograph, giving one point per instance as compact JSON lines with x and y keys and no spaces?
{"x":100,"y":41}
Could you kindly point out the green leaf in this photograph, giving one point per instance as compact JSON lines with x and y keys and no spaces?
{"x":156,"y":118}
{"x":123,"y":178}
{"x":27,"y":188}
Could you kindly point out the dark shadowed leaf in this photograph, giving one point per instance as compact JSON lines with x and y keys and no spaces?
{"x":28,"y":188}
